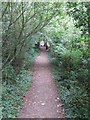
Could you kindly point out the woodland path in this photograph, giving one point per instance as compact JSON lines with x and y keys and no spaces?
{"x":42,"y":100}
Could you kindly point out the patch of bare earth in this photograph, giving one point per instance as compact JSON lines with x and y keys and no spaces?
{"x":42,"y":100}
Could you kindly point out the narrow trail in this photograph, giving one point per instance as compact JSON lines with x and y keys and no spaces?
{"x":42,"y":100}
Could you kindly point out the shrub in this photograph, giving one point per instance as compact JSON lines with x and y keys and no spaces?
{"x":12,"y":97}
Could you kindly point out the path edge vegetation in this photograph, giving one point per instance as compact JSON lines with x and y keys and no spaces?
{"x":13,"y":94}
{"x":69,"y":92}
{"x":67,"y":27}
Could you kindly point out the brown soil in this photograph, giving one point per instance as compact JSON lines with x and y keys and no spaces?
{"x":42,"y":100}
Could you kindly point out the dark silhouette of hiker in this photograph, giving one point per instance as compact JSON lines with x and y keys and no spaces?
{"x":45,"y":44}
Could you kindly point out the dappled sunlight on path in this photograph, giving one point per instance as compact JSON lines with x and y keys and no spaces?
{"x":42,"y":100}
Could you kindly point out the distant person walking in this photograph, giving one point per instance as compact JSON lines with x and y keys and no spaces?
{"x":47,"y":45}
{"x":42,"y":43}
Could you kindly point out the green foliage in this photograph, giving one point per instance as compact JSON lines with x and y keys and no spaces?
{"x":20,"y":22}
{"x":72,"y":91}
{"x":76,"y":100}
{"x":72,"y":73}
{"x":12,"y":97}
{"x":15,"y":85}
{"x":81,"y":13}
{"x":67,"y":28}
{"x":70,"y":55}
{"x":30,"y":56}
{"x":9,"y":74}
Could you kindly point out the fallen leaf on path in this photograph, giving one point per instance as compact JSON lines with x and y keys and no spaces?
{"x":58,"y":105}
{"x":57,"y":98}
{"x":43,"y":104}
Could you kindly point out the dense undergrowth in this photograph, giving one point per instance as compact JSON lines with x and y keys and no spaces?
{"x":15,"y":86}
{"x":71,"y":60}
{"x":70,"y":55}
{"x":71,"y":73}
{"x":72,"y":92}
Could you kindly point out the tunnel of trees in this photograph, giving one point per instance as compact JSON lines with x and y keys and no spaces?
{"x":67,"y":27}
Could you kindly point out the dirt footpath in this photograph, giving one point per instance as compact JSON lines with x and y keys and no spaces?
{"x":42,"y":100}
